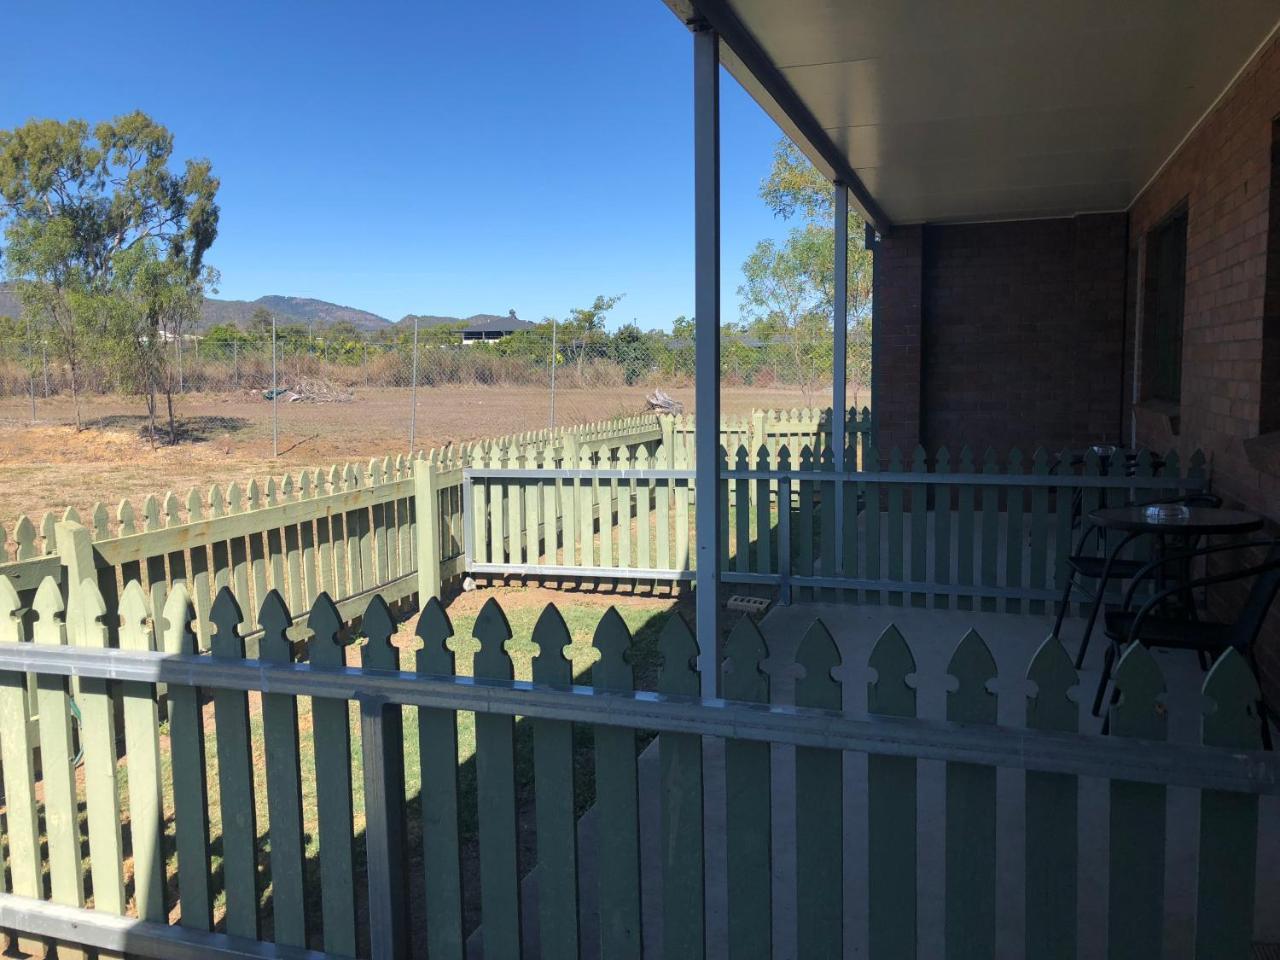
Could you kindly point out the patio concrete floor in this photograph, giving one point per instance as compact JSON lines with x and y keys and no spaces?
{"x":932,"y":634}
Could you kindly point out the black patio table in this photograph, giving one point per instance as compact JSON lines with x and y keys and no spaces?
{"x":1195,"y":522}
{"x":1185,"y":523}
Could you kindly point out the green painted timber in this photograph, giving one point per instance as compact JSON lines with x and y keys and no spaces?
{"x":942,"y":529}
{"x":893,"y":527}
{"x":190,"y":789}
{"x":235,"y":778}
{"x":617,"y":802}
{"x":1014,"y":509}
{"x":891,"y":809}
{"x":330,"y":720}
{"x":284,"y":782}
{"x":919,"y":493}
{"x":1052,"y":817}
{"x":438,"y":742}
{"x":990,"y":532}
{"x":142,"y":753}
{"x":1136,"y":884}
{"x":1228,"y":821}
{"x":554,"y":798}
{"x":819,"y":810}
{"x":971,"y":812}
{"x":747,"y":802}
{"x":680,"y":774}
{"x":17,"y":761}
{"x":98,"y":741}
{"x":496,"y":796}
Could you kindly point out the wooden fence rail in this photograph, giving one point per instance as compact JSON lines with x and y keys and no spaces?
{"x":345,"y":530}
{"x":989,"y":534}
{"x":355,"y":894}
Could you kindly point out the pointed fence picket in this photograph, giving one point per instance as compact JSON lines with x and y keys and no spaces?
{"x":555,"y":797}
{"x":891,"y":807}
{"x":349,"y":530}
{"x":971,"y":812}
{"x":991,"y":535}
{"x":819,"y":808}
{"x":680,"y":777}
{"x":1052,"y":813}
{"x":319,"y":910}
{"x":747,"y":802}
{"x":496,"y":795}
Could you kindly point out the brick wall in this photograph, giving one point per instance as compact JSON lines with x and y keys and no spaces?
{"x":1023,"y":333}
{"x":895,"y":398}
{"x":1224,"y":174}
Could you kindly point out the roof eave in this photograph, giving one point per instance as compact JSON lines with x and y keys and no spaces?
{"x":746,"y":61}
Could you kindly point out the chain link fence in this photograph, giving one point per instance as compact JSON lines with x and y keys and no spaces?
{"x":545,"y":376}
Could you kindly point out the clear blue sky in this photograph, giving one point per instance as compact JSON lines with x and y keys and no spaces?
{"x":421,"y":157}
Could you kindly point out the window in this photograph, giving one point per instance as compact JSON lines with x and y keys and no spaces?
{"x":1165,"y":287}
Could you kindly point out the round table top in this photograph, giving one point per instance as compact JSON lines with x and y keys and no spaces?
{"x":1199,"y":521}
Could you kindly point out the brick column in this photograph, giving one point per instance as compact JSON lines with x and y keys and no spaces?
{"x":897,"y":342}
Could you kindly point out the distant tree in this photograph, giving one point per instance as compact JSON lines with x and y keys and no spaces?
{"x":260,"y":322}
{"x":787,"y":304}
{"x":79,"y":206}
{"x":153,"y":304}
{"x":583,"y":328}
{"x":219,"y":337}
{"x":633,"y":350}
{"x":790,"y":288}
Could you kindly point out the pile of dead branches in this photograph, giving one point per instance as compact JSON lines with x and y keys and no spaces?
{"x":316,"y":390}
{"x":660,"y":402}
{"x":309,"y":390}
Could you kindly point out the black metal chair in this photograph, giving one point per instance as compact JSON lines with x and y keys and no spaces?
{"x":1150,"y":627}
{"x":1103,"y":566}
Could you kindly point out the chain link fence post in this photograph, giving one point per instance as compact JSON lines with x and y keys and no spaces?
{"x":275,"y":395}
{"x":413,"y":403}
{"x":553,"y":373}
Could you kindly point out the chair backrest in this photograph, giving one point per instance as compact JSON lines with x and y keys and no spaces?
{"x":1263,"y":593}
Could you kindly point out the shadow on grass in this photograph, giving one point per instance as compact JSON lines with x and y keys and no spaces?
{"x":190,"y":429}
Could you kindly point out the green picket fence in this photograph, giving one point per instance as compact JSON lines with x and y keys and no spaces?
{"x":989,"y":534}
{"x":162,"y":879}
{"x":345,"y":531}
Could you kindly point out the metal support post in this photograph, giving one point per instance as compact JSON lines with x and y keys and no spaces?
{"x":706,"y":202}
{"x":553,"y":373}
{"x":840,"y":369}
{"x":275,"y":395}
{"x":413,"y":403}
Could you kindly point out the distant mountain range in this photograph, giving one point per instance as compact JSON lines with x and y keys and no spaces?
{"x":297,"y":310}
{"x":293,"y":310}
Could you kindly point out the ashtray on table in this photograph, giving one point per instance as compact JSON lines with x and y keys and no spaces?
{"x":1167,"y":513}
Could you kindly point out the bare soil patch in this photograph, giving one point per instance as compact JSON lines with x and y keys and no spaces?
{"x":225,"y":437}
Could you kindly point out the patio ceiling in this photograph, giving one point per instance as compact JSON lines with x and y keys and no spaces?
{"x":999,"y":109}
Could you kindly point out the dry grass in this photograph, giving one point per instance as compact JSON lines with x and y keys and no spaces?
{"x":49,"y":466}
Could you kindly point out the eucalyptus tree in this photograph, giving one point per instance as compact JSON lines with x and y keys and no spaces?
{"x":788,"y":292}
{"x":584,"y":330}
{"x":153,"y":304}
{"x":78,"y":205}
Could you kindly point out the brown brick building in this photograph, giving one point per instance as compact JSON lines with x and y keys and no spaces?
{"x":1157,"y":325}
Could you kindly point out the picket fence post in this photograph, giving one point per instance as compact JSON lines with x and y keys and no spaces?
{"x":426,"y":509}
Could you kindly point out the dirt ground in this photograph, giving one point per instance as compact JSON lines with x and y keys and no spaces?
{"x":49,"y":466}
